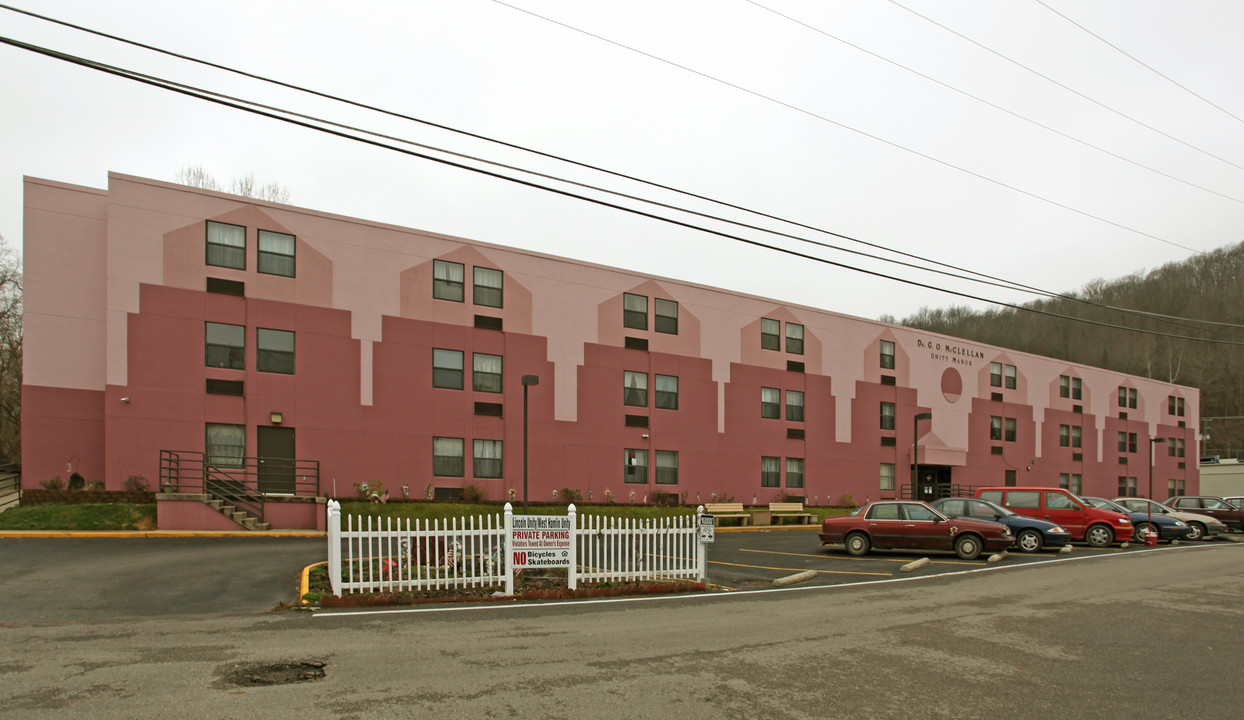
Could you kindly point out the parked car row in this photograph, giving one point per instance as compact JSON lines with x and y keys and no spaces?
{"x":1028,"y":518}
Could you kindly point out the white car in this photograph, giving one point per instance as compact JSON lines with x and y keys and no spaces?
{"x":1203,"y":526}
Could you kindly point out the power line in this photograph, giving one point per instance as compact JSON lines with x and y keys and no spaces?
{"x":995,"y":106}
{"x":844,"y":126}
{"x":1148,"y":67}
{"x":243,"y":106}
{"x":986,"y":278}
{"x":1069,"y":88}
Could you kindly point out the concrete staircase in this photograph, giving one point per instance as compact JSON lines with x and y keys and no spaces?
{"x":240,"y":517}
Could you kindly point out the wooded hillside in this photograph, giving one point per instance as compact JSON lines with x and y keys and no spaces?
{"x":1202,"y":297}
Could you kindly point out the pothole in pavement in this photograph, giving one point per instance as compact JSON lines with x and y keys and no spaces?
{"x":260,"y":674}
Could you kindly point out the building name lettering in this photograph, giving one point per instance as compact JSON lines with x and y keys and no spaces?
{"x":946,"y":352}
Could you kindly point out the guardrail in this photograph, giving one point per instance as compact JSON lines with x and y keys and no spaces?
{"x":244,"y":482}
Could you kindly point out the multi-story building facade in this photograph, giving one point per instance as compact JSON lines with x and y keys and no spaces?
{"x":166,"y":318}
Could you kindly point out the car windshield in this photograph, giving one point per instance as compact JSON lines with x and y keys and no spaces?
{"x":1104,"y":504}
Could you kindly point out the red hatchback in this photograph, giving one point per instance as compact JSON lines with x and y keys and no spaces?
{"x":911,"y":525}
{"x":1097,"y":527}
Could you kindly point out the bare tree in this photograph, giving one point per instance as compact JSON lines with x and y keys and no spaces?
{"x":246,"y":186}
{"x":10,"y":354}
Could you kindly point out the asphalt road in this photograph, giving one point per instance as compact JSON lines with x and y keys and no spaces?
{"x":1134,"y":633}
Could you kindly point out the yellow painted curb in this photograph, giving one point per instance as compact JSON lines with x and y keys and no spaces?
{"x":306,"y":581}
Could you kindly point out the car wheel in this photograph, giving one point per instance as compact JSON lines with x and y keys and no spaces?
{"x":1029,"y":541}
{"x":1099,"y":536}
{"x":1197,"y":531}
{"x":968,"y":547}
{"x":857,"y":544}
{"x":1141,"y":529}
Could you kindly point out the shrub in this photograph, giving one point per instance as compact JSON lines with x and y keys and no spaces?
{"x":95,"y":485}
{"x":848,"y":500}
{"x":472,"y":492}
{"x":55,"y":483}
{"x":76,"y":482}
{"x":135,"y":483}
{"x":571,"y":495}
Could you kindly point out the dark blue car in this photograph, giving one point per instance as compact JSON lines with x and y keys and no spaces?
{"x":1167,"y":528}
{"x":1030,"y":534}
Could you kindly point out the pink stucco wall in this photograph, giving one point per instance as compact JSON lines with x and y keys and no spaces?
{"x":361,"y":401}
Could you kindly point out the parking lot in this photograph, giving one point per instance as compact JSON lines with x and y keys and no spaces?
{"x":752,"y":559}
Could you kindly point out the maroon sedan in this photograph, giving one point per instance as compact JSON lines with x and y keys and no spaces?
{"x":910,"y":525}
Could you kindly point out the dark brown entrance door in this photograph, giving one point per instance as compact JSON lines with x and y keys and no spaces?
{"x":276,"y":460}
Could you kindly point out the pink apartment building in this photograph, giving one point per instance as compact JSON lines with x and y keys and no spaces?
{"x":215,"y":344}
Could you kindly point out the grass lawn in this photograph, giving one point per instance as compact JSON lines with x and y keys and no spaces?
{"x":113,"y":516}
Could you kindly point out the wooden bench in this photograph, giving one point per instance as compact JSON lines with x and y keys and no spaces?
{"x":728,"y":510}
{"x":777,"y":511}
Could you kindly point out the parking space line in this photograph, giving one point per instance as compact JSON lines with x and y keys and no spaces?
{"x":779,"y":569}
{"x":870,"y":558}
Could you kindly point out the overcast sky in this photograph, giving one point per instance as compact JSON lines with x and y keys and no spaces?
{"x":998,"y":136}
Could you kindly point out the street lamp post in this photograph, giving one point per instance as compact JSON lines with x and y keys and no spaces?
{"x":1149,"y":505}
{"x":915,"y":457}
{"x":528,"y":381}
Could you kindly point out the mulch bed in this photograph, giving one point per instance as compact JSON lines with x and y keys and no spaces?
{"x":527,"y":589}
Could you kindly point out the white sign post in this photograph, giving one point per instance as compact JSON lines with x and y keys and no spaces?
{"x":708,"y":525}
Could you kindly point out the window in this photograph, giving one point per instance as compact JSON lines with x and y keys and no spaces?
{"x":1010,"y":377}
{"x":1010,"y":478}
{"x":918,"y":512}
{"x":770,"y":472}
{"x":666,"y":316}
{"x":667,"y":467}
{"x":1076,"y":436}
{"x":794,"y":338}
{"x":770,"y":403}
{"x":1127,"y":442}
{"x":447,"y":369}
{"x":1175,"y":447}
{"x":667,"y":392}
{"x":794,"y":472}
{"x":995,"y":374}
{"x":1010,"y":429}
{"x":447,"y":280}
{"x":635,"y":311}
{"x":995,"y":427}
{"x":1174,"y":487}
{"x":276,"y":253}
{"x":226,"y":346}
{"x":1127,"y":486}
{"x":770,"y":334}
{"x":887,"y":416}
{"x":1024,"y":499}
{"x":486,"y":375}
{"x":1058,"y":501}
{"x":884,"y":511}
{"x":1064,"y":386}
{"x":1064,"y":435}
{"x":794,"y":405}
{"x":447,"y":457}
{"x":1077,"y":389}
{"x":226,"y":245}
{"x":1076,"y":483}
{"x":487,"y":463}
{"x":635,"y":468}
{"x":1064,"y":481}
{"x":635,"y":388}
{"x":274,"y":351}
{"x":225,"y":445}
{"x":887,"y":355}
{"x":1175,"y":405}
{"x":1127,"y":397}
{"x":487,"y":287}
{"x":887,"y":476}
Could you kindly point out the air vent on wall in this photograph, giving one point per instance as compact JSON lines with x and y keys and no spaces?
{"x":487,"y":322}
{"x":634,"y":343}
{"x":637,"y":421}
{"x":487,"y":408}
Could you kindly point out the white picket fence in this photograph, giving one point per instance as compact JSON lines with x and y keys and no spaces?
{"x":393,"y":556}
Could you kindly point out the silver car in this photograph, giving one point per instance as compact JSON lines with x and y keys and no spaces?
{"x":1202,"y":526}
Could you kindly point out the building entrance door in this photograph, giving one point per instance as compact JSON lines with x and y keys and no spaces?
{"x":934,"y":483}
{"x":276,"y":460}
